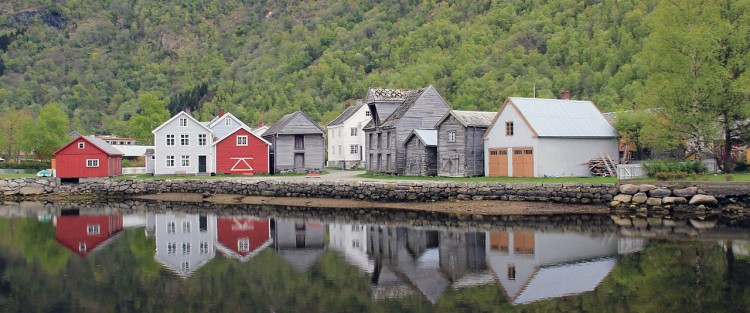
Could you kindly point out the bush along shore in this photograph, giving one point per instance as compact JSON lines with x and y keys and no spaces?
{"x":644,"y":197}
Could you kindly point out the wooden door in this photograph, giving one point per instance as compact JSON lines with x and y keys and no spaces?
{"x":201,"y":164}
{"x":299,"y":160}
{"x":523,"y":162}
{"x":498,"y":162}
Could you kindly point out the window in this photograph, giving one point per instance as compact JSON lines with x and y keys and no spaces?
{"x":170,"y":140}
{"x":186,"y":227}
{"x":333,"y":134}
{"x":170,"y":228}
{"x":81,"y":247}
{"x":185,"y":266}
{"x":333,"y":149}
{"x":354,"y":149}
{"x":203,"y":247}
{"x":372,"y":143}
{"x":201,"y":139}
{"x":380,"y":140}
{"x":185,"y":248}
{"x":184,"y":140}
{"x":185,"y":161}
{"x":81,"y":145}
{"x":340,"y":149}
{"x":172,"y":248}
{"x":452,"y":136}
{"x":183,"y":122}
{"x":511,"y":272}
{"x":367,"y":113}
{"x":388,"y":140}
{"x":354,"y":131}
{"x":92,"y":162}
{"x":92,"y":229}
{"x":170,"y":161}
{"x":227,"y":122}
{"x":299,"y":141}
{"x":508,"y":128}
{"x":243,"y":244}
{"x":355,"y":243}
{"x":242,"y":140}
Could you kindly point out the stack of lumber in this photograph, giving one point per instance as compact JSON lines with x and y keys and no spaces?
{"x":603,"y":166}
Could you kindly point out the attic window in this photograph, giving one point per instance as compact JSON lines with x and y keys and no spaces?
{"x":92,"y":229}
{"x":81,"y":247}
{"x":227,"y":122}
{"x":367,"y":113}
{"x":243,"y":245}
{"x":81,"y":145}
{"x":452,"y":136}
{"x":183,"y":122}
{"x":508,"y":128}
{"x":242,"y":140}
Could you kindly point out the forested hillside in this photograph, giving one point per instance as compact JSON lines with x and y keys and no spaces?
{"x":262,"y":59}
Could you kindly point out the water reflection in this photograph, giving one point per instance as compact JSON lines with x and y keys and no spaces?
{"x":515,"y":266}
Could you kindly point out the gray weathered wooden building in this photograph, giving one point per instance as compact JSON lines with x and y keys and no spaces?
{"x":297,"y":144}
{"x":395,"y":113}
{"x":460,"y":151}
{"x":421,"y":152}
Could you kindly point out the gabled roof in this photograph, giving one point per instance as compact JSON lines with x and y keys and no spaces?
{"x":427,"y":136}
{"x":409,"y":101}
{"x":470,"y":118}
{"x":238,"y":129}
{"x":183,"y":113}
{"x":243,"y":258}
{"x":217,"y":119}
{"x":96,"y":142}
{"x":560,"y":118}
{"x":348,"y":112}
{"x":386,"y":94}
{"x":133,"y":150}
{"x":565,"y":280}
{"x":259,"y":131}
{"x":280,"y":125}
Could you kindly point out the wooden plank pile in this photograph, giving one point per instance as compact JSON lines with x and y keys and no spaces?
{"x":602,"y":166}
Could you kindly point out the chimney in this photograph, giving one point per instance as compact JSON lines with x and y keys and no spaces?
{"x":260,"y":124}
{"x":221,"y":112}
{"x":565,"y":95}
{"x":187,"y":110}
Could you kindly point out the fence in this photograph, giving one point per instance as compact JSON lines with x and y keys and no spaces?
{"x":631,"y":171}
{"x":16,"y":171}
{"x":133,"y":170}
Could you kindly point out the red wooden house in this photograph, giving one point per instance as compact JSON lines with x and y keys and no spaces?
{"x":243,"y":238}
{"x":83,"y":234}
{"x":241,"y":152}
{"x":87,"y":157}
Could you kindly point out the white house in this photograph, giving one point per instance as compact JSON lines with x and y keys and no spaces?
{"x":225,"y":124}
{"x":182,"y":145}
{"x":184,"y":242}
{"x":346,"y":139}
{"x":532,"y":137}
{"x":351,"y":241}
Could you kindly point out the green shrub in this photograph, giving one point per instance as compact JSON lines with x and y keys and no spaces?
{"x":655,"y":167}
{"x":741,"y":167}
{"x":27,"y":165}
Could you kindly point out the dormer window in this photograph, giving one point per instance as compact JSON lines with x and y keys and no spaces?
{"x":227,"y":122}
{"x":367,"y":113}
{"x":183,"y":122}
{"x":81,"y":145}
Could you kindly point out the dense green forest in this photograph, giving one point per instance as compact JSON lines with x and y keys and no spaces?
{"x":102,"y":62}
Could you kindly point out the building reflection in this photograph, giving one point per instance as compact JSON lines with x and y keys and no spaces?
{"x":243,"y":237}
{"x":184,"y":242}
{"x":299,"y":242}
{"x":85,"y":234}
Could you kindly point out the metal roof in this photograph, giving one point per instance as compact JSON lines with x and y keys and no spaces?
{"x":427,"y":136}
{"x":565,"y":280}
{"x":133,"y":150}
{"x":109,"y":149}
{"x":563,"y":118}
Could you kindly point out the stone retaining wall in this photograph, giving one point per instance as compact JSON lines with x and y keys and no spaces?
{"x":625,"y":196}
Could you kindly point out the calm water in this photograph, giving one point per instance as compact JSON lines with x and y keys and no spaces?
{"x":156,"y":259}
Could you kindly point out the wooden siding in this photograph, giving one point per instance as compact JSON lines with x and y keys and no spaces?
{"x":452,"y":155}
{"x":70,"y":162}
{"x":233,"y":159}
{"x":193,"y":150}
{"x":284,"y":152}
{"x":300,"y":125}
{"x":420,"y":160}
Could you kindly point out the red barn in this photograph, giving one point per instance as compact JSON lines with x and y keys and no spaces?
{"x":243,"y":238}
{"x":83,"y":234}
{"x":87,"y":157}
{"x":241,"y":152}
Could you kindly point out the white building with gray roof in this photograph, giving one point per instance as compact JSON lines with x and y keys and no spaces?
{"x":346,"y":137}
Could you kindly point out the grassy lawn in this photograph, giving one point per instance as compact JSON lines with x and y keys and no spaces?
{"x":739,"y":177}
{"x":7,"y":176}
{"x":593,"y":180}
{"x":221,"y":176}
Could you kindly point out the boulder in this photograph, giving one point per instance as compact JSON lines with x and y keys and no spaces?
{"x":660,"y":193}
{"x":703,"y":200}
{"x":623,"y":198}
{"x":673,"y":200}
{"x":31,"y":190}
{"x":646,"y":188}
{"x":639,"y":198}
{"x":622,"y":221}
{"x":653,"y":201}
{"x":629,"y":189}
{"x":685,"y":192}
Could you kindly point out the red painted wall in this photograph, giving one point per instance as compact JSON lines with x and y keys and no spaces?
{"x":70,"y":161}
{"x":228,"y":149}
{"x":73,"y":230}
{"x":232,"y":229}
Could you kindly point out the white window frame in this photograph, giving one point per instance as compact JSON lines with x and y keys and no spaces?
{"x":186,"y":227}
{"x":81,"y":145}
{"x":82,"y":247}
{"x":186,"y":266}
{"x":227,"y":122}
{"x":452,"y":136}
{"x":241,"y":141}
{"x":185,"y":161}
{"x":354,"y":149}
{"x":203,"y":247}
{"x":183,"y":122}
{"x":169,"y":161}
{"x":170,"y":140}
{"x":202,"y":139}
{"x":367,"y":113}
{"x":92,"y":162}
{"x":172,"y":248}
{"x":185,"y":248}
{"x":170,"y":228}
{"x":93,"y":229}
{"x":184,"y":139}
{"x":243,"y":244}
{"x":353,"y":131}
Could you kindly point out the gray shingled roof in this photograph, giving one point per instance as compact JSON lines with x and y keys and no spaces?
{"x":471,"y":118}
{"x":386,"y":94}
{"x":278,"y":127}
{"x":101,"y":144}
{"x":409,"y":101}
{"x":347,"y":113}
